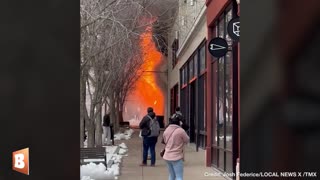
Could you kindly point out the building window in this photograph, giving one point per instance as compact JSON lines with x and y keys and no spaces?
{"x":202,"y":58}
{"x":195,"y":61}
{"x":192,"y":92}
{"x":174,"y":97}
{"x":191,"y":73}
{"x":222,"y":143}
{"x":174,"y":47}
{"x":185,"y":75}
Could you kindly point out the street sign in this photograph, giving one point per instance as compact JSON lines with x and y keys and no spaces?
{"x":218,"y":47}
{"x":234,"y":28}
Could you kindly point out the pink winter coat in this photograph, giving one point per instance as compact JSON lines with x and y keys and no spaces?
{"x":174,"y":147}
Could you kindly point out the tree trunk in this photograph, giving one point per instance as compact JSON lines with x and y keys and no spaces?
{"x":82,"y":132}
{"x":120,"y":111}
{"x":82,"y":107}
{"x":98,"y":124}
{"x":113,"y":114}
{"x":91,"y":129}
{"x":82,"y":128}
{"x":116,"y":126}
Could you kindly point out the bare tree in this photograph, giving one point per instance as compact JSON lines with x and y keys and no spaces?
{"x":111,"y":60}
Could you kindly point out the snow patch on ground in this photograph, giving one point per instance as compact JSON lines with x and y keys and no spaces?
{"x":94,"y":171}
{"x":121,"y":136}
{"x":97,"y":172}
{"x":123,"y":151}
{"x":129,"y":132}
{"x":110,"y":149}
{"x":124,"y":136}
{"x":123,"y":146}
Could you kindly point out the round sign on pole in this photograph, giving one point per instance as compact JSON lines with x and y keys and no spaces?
{"x":234,"y":28}
{"x":218,"y":47}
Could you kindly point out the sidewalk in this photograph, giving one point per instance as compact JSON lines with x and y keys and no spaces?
{"x":194,"y":165}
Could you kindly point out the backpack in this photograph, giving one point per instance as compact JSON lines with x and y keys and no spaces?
{"x":154,"y":127}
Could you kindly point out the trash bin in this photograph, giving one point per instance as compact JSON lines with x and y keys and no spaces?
{"x":160,"y":119}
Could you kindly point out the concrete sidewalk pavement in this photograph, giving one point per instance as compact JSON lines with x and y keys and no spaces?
{"x":194,"y":165}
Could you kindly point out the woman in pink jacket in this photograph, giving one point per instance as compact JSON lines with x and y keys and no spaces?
{"x":175,"y":138}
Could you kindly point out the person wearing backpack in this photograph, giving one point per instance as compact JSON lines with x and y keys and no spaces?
{"x":149,"y":110}
{"x":150,"y":130}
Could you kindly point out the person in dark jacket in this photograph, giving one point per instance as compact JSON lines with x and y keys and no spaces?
{"x":148,"y":142}
{"x":178,"y":115}
{"x":106,"y":129}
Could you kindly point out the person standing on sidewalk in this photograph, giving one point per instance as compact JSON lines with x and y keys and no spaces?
{"x":106,"y":129}
{"x":179,"y":115}
{"x":182,"y":123}
{"x":174,"y":138}
{"x":150,"y":131}
{"x":149,"y":110}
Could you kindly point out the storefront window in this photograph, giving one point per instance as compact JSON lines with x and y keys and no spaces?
{"x":221,"y":103}
{"x":228,"y":89}
{"x":223,"y":81}
{"x":228,"y":18}
{"x":221,"y":28}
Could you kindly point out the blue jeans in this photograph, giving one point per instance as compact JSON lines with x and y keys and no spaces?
{"x":175,"y":169}
{"x":149,"y":143}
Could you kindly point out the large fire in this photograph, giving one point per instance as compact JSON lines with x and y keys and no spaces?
{"x":147,"y":93}
{"x":147,"y":89}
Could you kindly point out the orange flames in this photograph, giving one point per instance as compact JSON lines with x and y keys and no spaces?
{"x":147,"y":92}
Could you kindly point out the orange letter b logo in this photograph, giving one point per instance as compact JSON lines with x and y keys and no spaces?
{"x":20,"y":161}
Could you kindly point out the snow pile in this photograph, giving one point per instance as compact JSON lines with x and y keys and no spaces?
{"x":97,"y":172}
{"x":123,"y":151}
{"x":94,"y":171}
{"x":124,"y":136}
{"x":86,"y":178}
{"x":111,"y":149}
{"x":120,"y":136}
{"x":117,"y":158}
{"x":129,"y":132}
{"x":123,"y":146}
{"x":115,"y":169}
